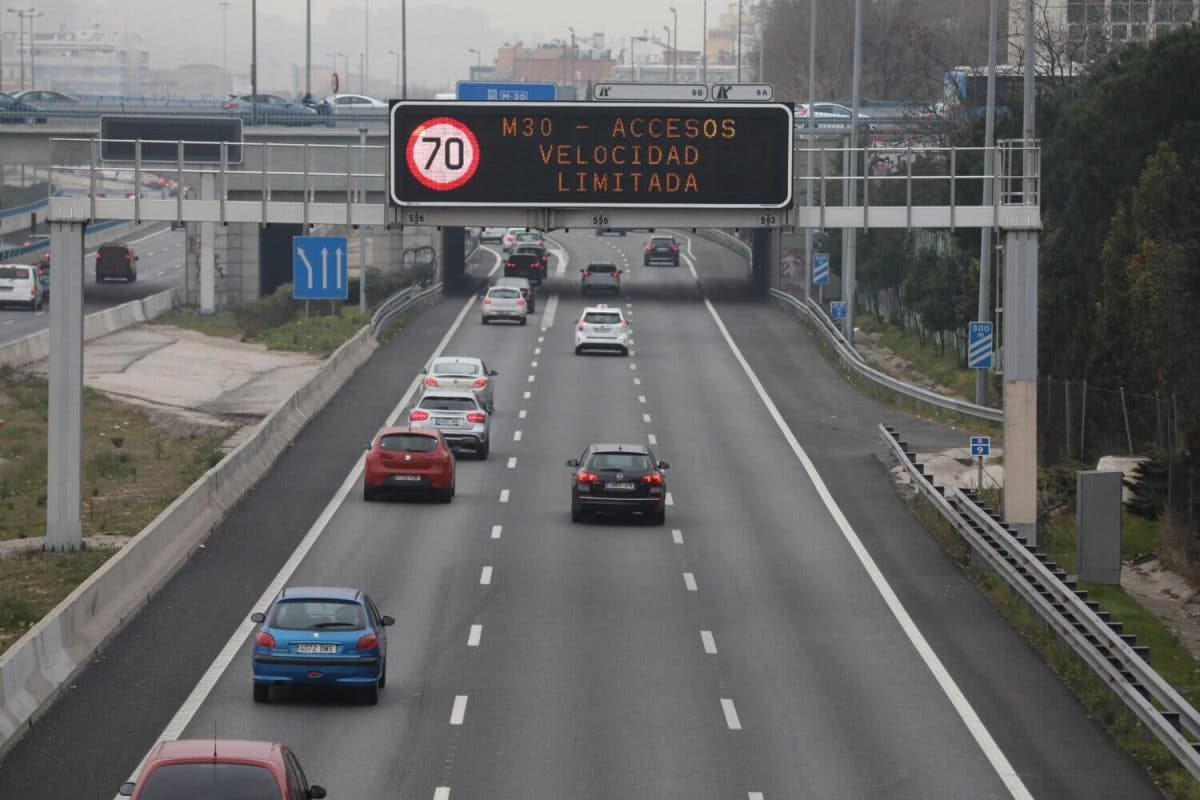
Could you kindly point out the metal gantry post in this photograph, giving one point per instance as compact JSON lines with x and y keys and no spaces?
{"x":208,"y":260}
{"x":812,"y":90}
{"x":984,"y":312}
{"x":362,"y":229}
{"x":1020,"y":381}
{"x":64,"y":419}
{"x":850,"y":259}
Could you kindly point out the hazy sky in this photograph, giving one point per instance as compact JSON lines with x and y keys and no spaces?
{"x":440,"y":32}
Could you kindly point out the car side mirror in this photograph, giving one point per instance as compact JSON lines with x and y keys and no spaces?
{"x":258,"y":616}
{"x":663,"y":465}
{"x":316,"y":792}
{"x":367,"y":446}
{"x":493,"y":373}
{"x":126,"y":789}
{"x":572,"y":462}
{"x":387,"y":621}
{"x":423,"y":371}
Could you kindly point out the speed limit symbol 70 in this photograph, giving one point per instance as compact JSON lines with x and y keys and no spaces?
{"x":442,"y":154}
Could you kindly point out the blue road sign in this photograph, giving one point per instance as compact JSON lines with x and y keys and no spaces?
{"x":820,"y":269}
{"x":319,"y":268}
{"x":979,"y":345}
{"x":981,"y":445}
{"x":506,"y":92}
{"x":837,"y":309}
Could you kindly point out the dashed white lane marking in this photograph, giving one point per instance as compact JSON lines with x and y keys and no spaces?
{"x":641,"y":398}
{"x":459,"y":712}
{"x":497,"y":530}
{"x":521,"y":414}
{"x":160,"y":273}
{"x":504,"y":495}
{"x":9,"y":321}
{"x":670,"y":499}
{"x":512,"y":462}
{"x":485,"y":576}
{"x":516,"y":436}
{"x":473,"y":636}
{"x":995,"y":756}
{"x":541,"y":338}
{"x":441,"y":793}
{"x":549,"y":314}
{"x":645,"y":417}
{"x":756,"y":796}
{"x":528,"y":395}
{"x":632,"y":353}
{"x":689,"y":580}
{"x":632,"y":366}
{"x":731,"y":717}
{"x":677,"y":536}
{"x":651,"y":438}
{"x":233,"y":647}
{"x":532,"y":378}
{"x":38,"y":313}
{"x":637,"y":381}
{"x":533,"y":365}
{"x":710,"y":644}
{"x":537,"y":351}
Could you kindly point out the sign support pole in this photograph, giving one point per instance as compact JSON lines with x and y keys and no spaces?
{"x":208,"y":260}
{"x":64,"y":416}
{"x":362,"y":230}
{"x":1020,"y":382}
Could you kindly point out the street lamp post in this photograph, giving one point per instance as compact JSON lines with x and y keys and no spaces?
{"x":403,"y":49}
{"x":32,"y":47}
{"x":478,"y":62}
{"x":666,"y":66}
{"x":675,"y":46}
{"x":307,"y":49}
{"x":396,"y":87}
{"x":704,"y":44}
{"x":224,"y":5}
{"x":572,"y":76}
{"x":25,"y":14}
{"x":20,"y":41}
{"x":739,"y":42}
{"x":253,"y":62}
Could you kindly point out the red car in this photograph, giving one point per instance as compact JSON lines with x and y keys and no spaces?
{"x":213,"y":769}
{"x":409,"y":460}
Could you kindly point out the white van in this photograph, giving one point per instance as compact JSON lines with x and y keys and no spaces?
{"x":19,"y":284}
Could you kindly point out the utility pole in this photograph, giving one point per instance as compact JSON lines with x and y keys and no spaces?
{"x":984,"y":312}
{"x":366,"y":64}
{"x":362,"y":229}
{"x":32,"y":45}
{"x":307,"y":49}
{"x":849,"y":278}
{"x":667,"y":66}
{"x":808,"y":194}
{"x":704,"y":44}
{"x":254,"y":62}
{"x":224,"y":6}
{"x":739,"y":42}
{"x":403,"y":49}
{"x":675,"y":46}
{"x":572,"y":30}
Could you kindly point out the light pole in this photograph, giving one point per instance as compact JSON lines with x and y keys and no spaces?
{"x":404,"y":49}
{"x":366,"y":62}
{"x":633,"y":61}
{"x":362,"y":73}
{"x":32,"y":44}
{"x":253,"y":62}
{"x":985,"y":239}
{"x":849,"y":277}
{"x":666,"y":66}
{"x":675,"y":46}
{"x":307,"y":49}
{"x":478,"y":61}
{"x":572,"y":30}
{"x":812,"y":98}
{"x":224,"y":6}
{"x":704,"y":44}
{"x":396,"y":88}
{"x":739,"y":42}
{"x":21,"y":41}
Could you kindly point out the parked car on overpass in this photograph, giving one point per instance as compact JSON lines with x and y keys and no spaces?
{"x":355,"y":102}
{"x":270,"y":109}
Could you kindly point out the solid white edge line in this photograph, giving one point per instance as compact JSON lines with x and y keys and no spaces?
{"x":485,"y":576}
{"x":651,"y":438}
{"x":710,"y":644}
{"x":689,"y":580}
{"x":995,"y":756}
{"x":473,"y":636}
{"x":677,"y":536}
{"x":225,"y":657}
{"x":731,"y":715}
{"x":459,"y":712}
{"x":497,"y":530}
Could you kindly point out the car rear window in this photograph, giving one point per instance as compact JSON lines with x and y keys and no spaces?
{"x":528,"y":236}
{"x":601,"y":268}
{"x":662,"y":240}
{"x":456,"y":368}
{"x":508,"y":294}
{"x":602,"y":318}
{"x":435,"y":403}
{"x":408,"y":443}
{"x":625,"y":462}
{"x":14,"y":273}
{"x":208,"y":781}
{"x":315,"y":615}
{"x":522,"y":258}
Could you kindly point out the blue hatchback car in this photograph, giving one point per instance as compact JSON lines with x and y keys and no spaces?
{"x":321,"y":636}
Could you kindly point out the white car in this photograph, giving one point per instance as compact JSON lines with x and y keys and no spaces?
{"x":354,"y":102}
{"x":19,"y":284}
{"x":504,"y":302}
{"x":603,"y":328}
{"x":492,"y":234}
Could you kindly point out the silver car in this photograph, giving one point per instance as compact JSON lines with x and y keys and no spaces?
{"x":523,"y":285}
{"x":504,"y":302}
{"x":19,"y":284}
{"x":461,"y":372}
{"x":458,"y":414}
{"x":600,"y":277}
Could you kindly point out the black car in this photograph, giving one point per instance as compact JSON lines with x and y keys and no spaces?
{"x":537,"y":250}
{"x":618,"y":478}
{"x":661,"y":249}
{"x":17,"y":111}
{"x":524,"y":265}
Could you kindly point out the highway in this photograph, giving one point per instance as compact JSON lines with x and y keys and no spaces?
{"x":791,"y":632}
{"x":160,"y":267}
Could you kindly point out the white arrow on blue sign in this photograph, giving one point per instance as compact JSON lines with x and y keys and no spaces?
{"x":979,"y":345}
{"x":981,"y":445}
{"x":820,"y":269}
{"x":319,"y":266}
{"x":837,"y":309}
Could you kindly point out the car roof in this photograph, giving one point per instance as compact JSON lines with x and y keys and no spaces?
{"x":510,"y":282}
{"x":640,"y":449}
{"x":203,"y":749}
{"x":458,"y":359}
{"x":396,"y":430}
{"x":613,"y":309}
{"x":447,"y":393}
{"x":320,"y":593}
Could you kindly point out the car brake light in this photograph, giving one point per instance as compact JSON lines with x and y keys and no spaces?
{"x":487,"y":301}
{"x":368,"y":642}
{"x":648,"y":248}
{"x":675,"y":248}
{"x":431,"y":382}
{"x":520,"y":302}
{"x":480,"y":383}
{"x":128,"y":256}
{"x":581,"y":326}
{"x":653,"y":478}
{"x":418,"y":415}
{"x":587,"y":477}
{"x":264,"y":639}
{"x":476,"y":416}
{"x":586,"y":274}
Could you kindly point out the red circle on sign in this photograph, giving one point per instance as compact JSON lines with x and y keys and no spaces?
{"x":442,"y":153}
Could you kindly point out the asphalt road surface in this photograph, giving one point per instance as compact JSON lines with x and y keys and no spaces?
{"x":791,"y":632}
{"x":160,"y":267}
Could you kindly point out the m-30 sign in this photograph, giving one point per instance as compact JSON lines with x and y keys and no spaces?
{"x":548,"y":155}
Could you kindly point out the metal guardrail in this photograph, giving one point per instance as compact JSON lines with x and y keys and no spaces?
{"x":400,"y":302}
{"x":1101,"y":643}
{"x":853,"y":360}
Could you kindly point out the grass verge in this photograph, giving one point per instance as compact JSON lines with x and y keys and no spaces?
{"x":939,"y":367}
{"x":219,"y":324}
{"x":31,"y":585}
{"x":317,"y":335}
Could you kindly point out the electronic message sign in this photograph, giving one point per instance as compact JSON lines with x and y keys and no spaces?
{"x":160,"y":136}
{"x":591,"y":155}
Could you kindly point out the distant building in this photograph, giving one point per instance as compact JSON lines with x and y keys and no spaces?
{"x":85,"y":62}
{"x":557,"y":62}
{"x":192,"y":80}
{"x":1082,"y":29}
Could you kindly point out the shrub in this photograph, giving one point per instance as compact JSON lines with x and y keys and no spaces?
{"x":271,"y":311}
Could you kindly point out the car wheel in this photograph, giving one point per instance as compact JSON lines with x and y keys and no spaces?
{"x":625,"y":351}
{"x":659,"y":518}
{"x":482,"y":453}
{"x":262,"y":692}
{"x":132,"y":277}
{"x":383,"y":676}
{"x":577,"y":514}
{"x":447,"y":495}
{"x":370,"y":695}
{"x":368,"y":494}
{"x":524,"y":320}
{"x":483,"y":320}
{"x":578,"y":350}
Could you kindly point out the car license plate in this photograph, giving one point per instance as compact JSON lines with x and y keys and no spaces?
{"x":448,"y":421}
{"x":323,"y":649}
{"x":406,"y":477}
{"x":619,"y":486}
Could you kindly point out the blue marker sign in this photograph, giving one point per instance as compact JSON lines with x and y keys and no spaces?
{"x":494,"y":92}
{"x":820,"y":269}
{"x":319,"y":268}
{"x":837,"y":309}
{"x":979,"y":345}
{"x":981,"y":446}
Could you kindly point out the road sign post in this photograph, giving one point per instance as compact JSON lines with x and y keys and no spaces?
{"x":981,"y":448}
{"x":319,"y":268}
{"x":837,"y":309}
{"x":820,"y":269}
{"x":979,"y":345}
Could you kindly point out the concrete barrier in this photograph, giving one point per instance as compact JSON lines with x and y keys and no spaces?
{"x":49,"y":655}
{"x":36,"y":346}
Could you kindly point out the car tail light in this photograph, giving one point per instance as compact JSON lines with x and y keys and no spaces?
{"x":230,"y":105}
{"x":648,"y":248}
{"x":129,"y":256}
{"x":32,"y":291}
{"x":476,"y":416}
{"x":654,"y":479}
{"x":582,"y":326}
{"x":520,"y":301}
{"x":480,"y":383}
{"x":264,"y":639}
{"x":674,"y":248}
{"x":431,"y":382}
{"x":368,"y":642}
{"x":587,"y":477}
{"x":487,"y":301}
{"x":418,"y":415}
{"x":586,"y":274}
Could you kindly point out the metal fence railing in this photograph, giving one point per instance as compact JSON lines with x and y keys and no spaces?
{"x":399,"y":303}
